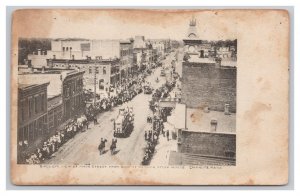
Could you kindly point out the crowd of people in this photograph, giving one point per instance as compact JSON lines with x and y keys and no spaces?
{"x":160,"y":116}
{"x":54,"y":142}
{"x":152,"y":136}
{"x":126,"y":91}
{"x":160,"y":93}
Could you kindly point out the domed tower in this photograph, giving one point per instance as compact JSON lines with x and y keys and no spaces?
{"x":192,"y":31}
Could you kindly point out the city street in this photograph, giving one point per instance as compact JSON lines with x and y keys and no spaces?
{"x":83,"y":148}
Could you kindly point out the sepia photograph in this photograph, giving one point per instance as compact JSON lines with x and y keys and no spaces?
{"x":127,"y":102}
{"x":97,"y":91}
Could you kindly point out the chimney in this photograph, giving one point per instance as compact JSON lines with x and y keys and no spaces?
{"x":213,"y":125}
{"x":226,"y":109}
{"x":39,"y":51}
{"x":206,"y":109}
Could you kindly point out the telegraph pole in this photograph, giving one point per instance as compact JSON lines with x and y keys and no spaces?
{"x":95,"y":80}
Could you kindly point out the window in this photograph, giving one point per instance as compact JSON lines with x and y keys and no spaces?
{"x":36,"y":104}
{"x":101,"y":84}
{"x":97,"y":70}
{"x":104,"y":70}
{"x":30,"y":105}
{"x":30,"y":135}
{"x":41,"y":125}
{"x":36,"y":129}
{"x":22,"y":110}
{"x":25,"y":133}
{"x":90,"y":70}
{"x":63,"y":48}
{"x":20,"y":135}
{"x":42,"y":102}
{"x":67,"y":48}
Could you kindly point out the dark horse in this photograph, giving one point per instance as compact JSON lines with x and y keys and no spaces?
{"x":113,"y":146}
{"x":101,"y":146}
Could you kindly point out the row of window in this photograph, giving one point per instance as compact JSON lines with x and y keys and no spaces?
{"x":73,"y":87}
{"x":33,"y":131}
{"x":32,"y":106}
{"x":66,"y":48}
{"x":97,"y":70}
{"x":126,"y":52}
{"x":67,"y":65}
{"x":55,"y":117}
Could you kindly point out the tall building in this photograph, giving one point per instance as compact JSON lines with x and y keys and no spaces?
{"x":126,"y":57}
{"x":32,"y":114}
{"x":64,"y":87}
{"x":72,"y":94}
{"x":195,"y":48}
{"x":209,"y":94}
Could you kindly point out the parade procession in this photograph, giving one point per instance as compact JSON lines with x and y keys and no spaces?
{"x":136,"y":101}
{"x":122,"y":117}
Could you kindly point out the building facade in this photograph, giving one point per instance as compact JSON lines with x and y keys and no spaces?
{"x":55,"y":112}
{"x":32,"y":113}
{"x":100,"y":72}
{"x":126,"y":58}
{"x":72,"y":94}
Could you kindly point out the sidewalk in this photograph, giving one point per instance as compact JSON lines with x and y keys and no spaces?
{"x":163,"y":148}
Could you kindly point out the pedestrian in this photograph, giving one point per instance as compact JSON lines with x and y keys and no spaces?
{"x":149,"y":135}
{"x":87,"y":124}
{"x":168,"y":134}
{"x":146,"y":135}
{"x":95,"y":120}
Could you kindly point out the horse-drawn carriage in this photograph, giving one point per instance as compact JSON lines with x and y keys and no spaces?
{"x":123,"y":125}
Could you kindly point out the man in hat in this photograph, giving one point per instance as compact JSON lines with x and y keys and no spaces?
{"x":146,"y":135}
{"x":168,"y":134}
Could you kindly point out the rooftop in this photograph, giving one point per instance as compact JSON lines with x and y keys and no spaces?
{"x":84,"y":61}
{"x":71,"y":39}
{"x":196,"y":59}
{"x":54,"y":101}
{"x":199,"y":121}
{"x":54,"y":88}
{"x":24,"y":86}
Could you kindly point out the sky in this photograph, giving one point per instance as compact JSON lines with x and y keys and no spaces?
{"x":121,"y":24}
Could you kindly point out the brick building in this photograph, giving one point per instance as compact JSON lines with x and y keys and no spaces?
{"x":209,"y":93}
{"x":55,"y":112}
{"x":207,"y":85}
{"x":126,"y":57}
{"x":72,"y":94}
{"x":32,"y":111}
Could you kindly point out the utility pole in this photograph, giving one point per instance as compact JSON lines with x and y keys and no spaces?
{"x":95,"y":80}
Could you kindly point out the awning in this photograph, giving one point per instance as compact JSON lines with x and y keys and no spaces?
{"x":177,"y":118}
